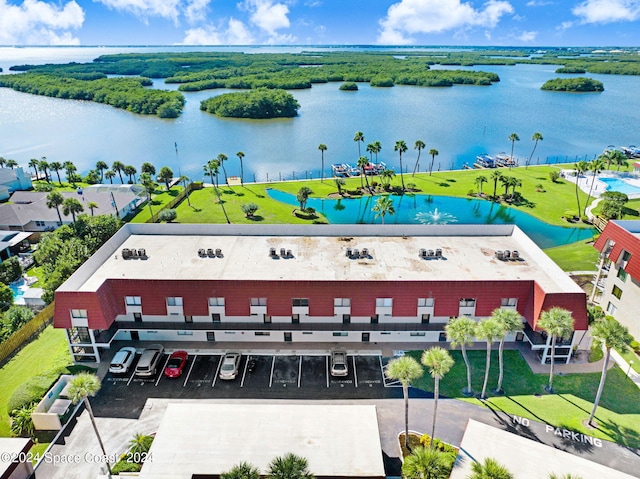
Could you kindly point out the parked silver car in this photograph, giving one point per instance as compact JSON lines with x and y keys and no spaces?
{"x":230,"y":365}
{"x":148,"y":363}
{"x":122,"y":360}
{"x":339,"y":365}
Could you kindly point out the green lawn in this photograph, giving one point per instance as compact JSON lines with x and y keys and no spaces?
{"x":618,"y":415}
{"x":159,"y":198}
{"x":629,"y":356}
{"x":630,"y":212}
{"x":47,"y":354}
{"x":579,"y":256}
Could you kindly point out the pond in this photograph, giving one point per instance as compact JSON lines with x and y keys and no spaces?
{"x":429,"y":209}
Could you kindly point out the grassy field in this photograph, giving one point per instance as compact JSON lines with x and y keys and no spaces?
{"x":159,"y":198}
{"x":618,"y":415}
{"x":577,"y":256}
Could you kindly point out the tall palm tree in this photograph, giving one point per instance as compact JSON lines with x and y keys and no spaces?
{"x":303,"y":196}
{"x":244,"y":470}
{"x":558,"y":323}
{"x":118,"y":167}
{"x":506,"y":182}
{"x":166,"y":175}
{"x":3,"y":161}
{"x":489,"y":469}
{"x":340,"y":182}
{"x":240,"y":156}
{"x":401,"y":147}
{"x":289,"y":466}
{"x":479,"y":181}
{"x":514,"y":183}
{"x":607,"y":333}
{"x":427,"y":463}
{"x":70,"y":171}
{"x":511,"y":322}
{"x":580,"y":167}
{"x":44,"y":167}
{"x":358,"y":138}
{"x":404,"y":369}
{"x":82,"y":386}
{"x":495,"y":177}
{"x":384,"y":206}
{"x":56,"y":166}
{"x":149,"y":186}
{"x":618,"y":158}
{"x":433,"y":152}
{"x":419,"y":145}
{"x":34,"y":163}
{"x":130,"y":171}
{"x":212,"y":168}
{"x":148,"y":168}
{"x":54,"y":200}
{"x":184,"y":180}
{"x":110,"y":175}
{"x":488,"y":329}
{"x":101,"y":166}
{"x":595,"y":167}
{"x":460,"y":332}
{"x":92,"y":205}
{"x":71,"y":206}
{"x":439,"y":362}
{"x":377,"y":148}
{"x":387,"y":175}
{"x":363,"y":161}
{"x":536,"y":137}
{"x":322,"y":147}
{"x":11,"y":163}
{"x":221,"y":159}
{"x":513,"y":137}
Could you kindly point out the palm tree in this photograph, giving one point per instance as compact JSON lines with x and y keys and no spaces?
{"x":387,"y":175}
{"x":44,"y":166}
{"x":489,"y":469}
{"x":118,"y":167}
{"x":244,"y":470}
{"x":101,"y":166}
{"x":618,"y":158}
{"x":506,"y":182}
{"x":495,"y":177}
{"x":3,"y":161}
{"x":513,"y":137}
{"x":72,"y":206}
{"x":433,"y":152}
{"x":322,"y":147}
{"x":595,"y":166}
{"x":340,"y":182}
{"x":511,"y":322}
{"x":536,"y":137}
{"x":221,"y":159}
{"x":419,"y":145}
{"x":289,"y":466}
{"x":149,"y":187}
{"x":363,"y":161}
{"x":607,"y":333}
{"x":377,"y":148}
{"x":240,"y":156}
{"x":34,"y":163}
{"x":11,"y":163}
{"x":460,"y":332}
{"x":404,"y":369}
{"x":55,"y":166}
{"x":358,"y":138}
{"x":212,"y":168}
{"x":479,"y":181}
{"x":439,"y":362}
{"x":514,"y":183}
{"x":165,"y":175}
{"x":54,"y":200}
{"x":401,"y":147}
{"x":384,"y":206}
{"x":140,"y":444}
{"x":184,"y":179}
{"x":303,"y":197}
{"x":427,"y":463}
{"x":110,"y":175}
{"x":580,"y":167}
{"x":148,"y":168}
{"x":70,"y":171}
{"x":488,"y":329}
{"x":130,"y":171}
{"x":558,"y":323}
{"x":82,"y":386}
{"x":92,"y":205}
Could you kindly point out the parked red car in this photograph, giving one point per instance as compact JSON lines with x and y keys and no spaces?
{"x":176,"y":364}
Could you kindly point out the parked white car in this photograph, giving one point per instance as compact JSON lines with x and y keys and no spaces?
{"x":122,"y":360}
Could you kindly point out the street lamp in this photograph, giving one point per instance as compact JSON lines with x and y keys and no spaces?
{"x":630,"y":364}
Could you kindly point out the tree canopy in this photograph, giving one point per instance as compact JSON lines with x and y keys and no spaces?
{"x":261,"y":103}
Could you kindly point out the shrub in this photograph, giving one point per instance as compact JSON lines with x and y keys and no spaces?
{"x":249,"y":209}
{"x":45,"y":187}
{"x":349,"y":86}
{"x":635,"y":345}
{"x":425,"y":440}
{"x":125,"y":466}
{"x":31,"y":391}
{"x":21,"y":422}
{"x":596,"y":354}
{"x":10,"y":270}
{"x":167,"y":215}
{"x":553,"y":176}
{"x":381,"y":82}
{"x":261,"y":103}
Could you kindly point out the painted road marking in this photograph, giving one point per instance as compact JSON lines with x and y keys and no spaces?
{"x":195,"y":358}
{"x":355,"y":371}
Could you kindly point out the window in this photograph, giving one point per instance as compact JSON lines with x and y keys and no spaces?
{"x":300,"y":302}
{"x":467,"y":302}
{"x":611,"y":309}
{"x":342,"y":302}
{"x":262,"y":333}
{"x":258,"y":301}
{"x":185,"y":333}
{"x":426,"y":318}
{"x":174,"y":301}
{"x":509,"y":302}
{"x":622,"y":274}
{"x":216,"y":301}
{"x":307,"y":332}
{"x":624,"y":258}
{"x":133,"y":300}
{"x":79,"y":313}
{"x":79,"y":335}
{"x":39,"y":223}
{"x":617,"y":292}
{"x":346,"y":318}
{"x":425,"y":302}
{"x":421,"y":333}
{"x":215,"y":317}
{"x":295,"y":319}
{"x":340,"y":333}
{"x":384,"y":302}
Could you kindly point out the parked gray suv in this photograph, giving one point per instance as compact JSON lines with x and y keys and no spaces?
{"x":148,"y":363}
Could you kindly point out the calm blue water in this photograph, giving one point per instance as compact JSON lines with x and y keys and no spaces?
{"x":615,"y":184}
{"x":428,"y":209}
{"x":460,"y":122}
{"x":18,"y":293}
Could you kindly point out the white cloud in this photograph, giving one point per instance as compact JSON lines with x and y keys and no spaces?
{"x":269,"y":17}
{"x":564,"y":26}
{"x":39,"y":23}
{"x":527,"y":36}
{"x":196,"y":10}
{"x":144,"y":9}
{"x":410,"y":17}
{"x":538,"y":3}
{"x":607,"y":11}
{"x":236,"y":33}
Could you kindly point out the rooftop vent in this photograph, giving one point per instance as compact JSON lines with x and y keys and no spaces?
{"x":515,"y":255}
{"x":423,"y":253}
{"x":349,"y":252}
{"x":272,"y":253}
{"x":202,"y":253}
{"x":438,"y":253}
{"x":289,"y":254}
{"x":218,"y":253}
{"x":210,"y":253}
{"x":364,"y":253}
{"x":126,"y":253}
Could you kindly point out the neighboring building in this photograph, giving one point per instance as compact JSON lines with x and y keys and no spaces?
{"x":15,"y":462}
{"x":619,"y":246}
{"x":28,"y":211}
{"x":296,"y":283}
{"x":13,"y":180}
{"x":12,"y":243}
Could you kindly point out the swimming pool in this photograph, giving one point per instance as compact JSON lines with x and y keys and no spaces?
{"x":18,"y":288}
{"x":616,"y":184}
{"x":429,"y":209}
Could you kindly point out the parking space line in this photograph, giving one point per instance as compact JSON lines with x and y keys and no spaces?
{"x":217,"y":372}
{"x":162,"y":371}
{"x":355,"y":371}
{"x":131,"y":378}
{"x":299,"y":370}
{"x":244,"y":373}
{"x":273,"y":363}
{"x":327,"y":369}
{"x":195,"y":358}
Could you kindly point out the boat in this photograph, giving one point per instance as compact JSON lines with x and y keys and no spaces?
{"x":340,"y":170}
{"x":484,"y":161}
{"x":353,"y":170}
{"x":504,"y":160}
{"x":632,"y":151}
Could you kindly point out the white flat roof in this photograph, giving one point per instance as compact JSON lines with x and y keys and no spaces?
{"x":319,"y":254}
{"x":194,"y":438}
{"x":523,"y":457}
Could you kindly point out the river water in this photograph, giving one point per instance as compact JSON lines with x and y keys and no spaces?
{"x":460,"y":122}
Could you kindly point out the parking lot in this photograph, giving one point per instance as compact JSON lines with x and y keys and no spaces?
{"x":272,"y":377}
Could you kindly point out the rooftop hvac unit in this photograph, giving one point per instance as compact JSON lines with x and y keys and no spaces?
{"x":349,"y":253}
{"x":515,"y":255}
{"x":507,"y":254}
{"x":289,"y":254}
{"x":210,"y":252}
{"x":202,"y":252}
{"x":500,"y":255}
{"x":356,"y":253}
{"x":134,"y":253}
{"x":142,"y":253}
{"x":283,"y":252}
{"x":423,"y":253}
{"x":430,"y":253}
{"x":272,"y":252}
{"x":438,"y":253}
{"x":126,"y":253}
{"x":364,"y":253}
{"x":218,"y":252}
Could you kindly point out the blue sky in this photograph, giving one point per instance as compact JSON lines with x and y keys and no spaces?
{"x":386,"y":22}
